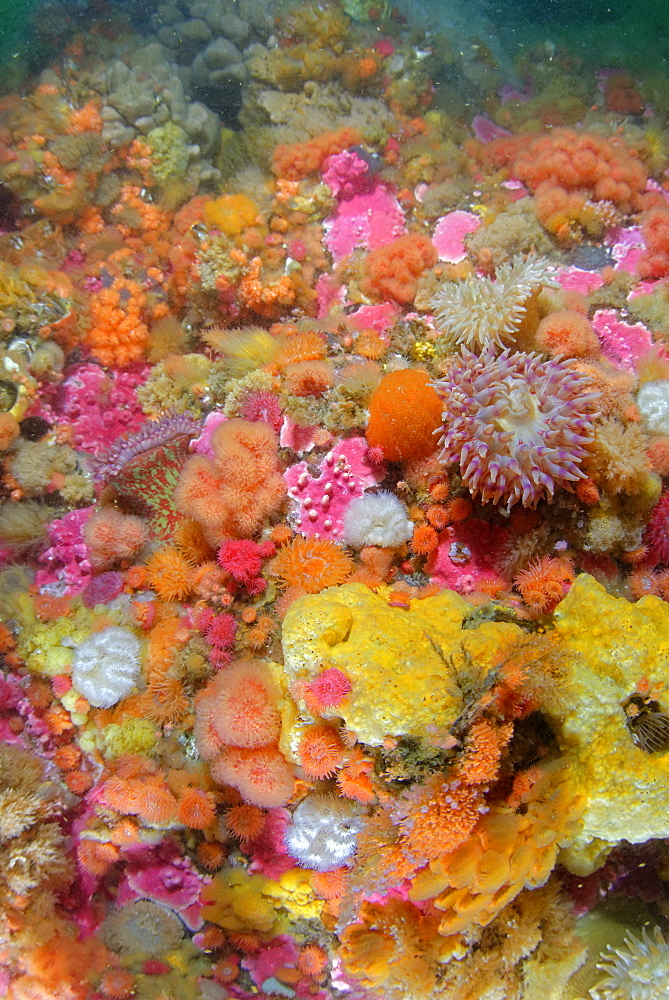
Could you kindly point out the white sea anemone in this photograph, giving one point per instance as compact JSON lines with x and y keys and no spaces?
{"x":376,"y":519}
{"x":653,"y":402}
{"x":106,"y":666}
{"x":639,"y":971}
{"x":322,"y":834}
{"x":479,"y":313}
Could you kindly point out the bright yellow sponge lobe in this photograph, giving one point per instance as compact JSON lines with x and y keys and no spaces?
{"x":616,"y":649}
{"x":397,"y":660}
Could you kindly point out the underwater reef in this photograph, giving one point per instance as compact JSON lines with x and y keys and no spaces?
{"x":334,"y":510}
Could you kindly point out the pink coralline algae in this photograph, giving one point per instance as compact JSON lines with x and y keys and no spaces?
{"x":319,"y":504}
{"x":173,"y":883}
{"x":99,"y":405}
{"x":369,"y":219}
{"x":68,"y":569}
{"x":202,"y":444}
{"x":276,"y":954}
{"x":377,"y":317}
{"x":627,"y":248}
{"x":450,"y":232}
{"x":467,"y":556}
{"x":102,"y":588}
{"x":269,"y":856}
{"x":517,"y":425}
{"x":573,"y":279}
{"x":622,"y":343}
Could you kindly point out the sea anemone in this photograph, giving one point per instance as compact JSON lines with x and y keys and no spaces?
{"x":545,"y":582}
{"x":242,"y":558}
{"x":376,"y":519}
{"x":106,"y":666}
{"x":329,"y":688}
{"x":639,"y":971}
{"x":517,"y":425}
{"x":196,"y":808}
{"x":657,"y":532}
{"x":263,"y":776}
{"x":320,"y":751}
{"x":265,"y":406}
{"x":151,"y":435}
{"x":237,"y":708}
{"x":312,"y":564}
{"x":169,"y":573}
{"x":478,"y":313}
{"x":323,"y":832}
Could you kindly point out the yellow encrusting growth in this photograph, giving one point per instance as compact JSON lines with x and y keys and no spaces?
{"x":396,"y":660}
{"x":615,"y":648}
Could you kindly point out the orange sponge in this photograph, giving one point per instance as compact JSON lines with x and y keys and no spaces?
{"x":404,"y":413}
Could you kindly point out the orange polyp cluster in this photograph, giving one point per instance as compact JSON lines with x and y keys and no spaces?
{"x":582,"y":161}
{"x":117,"y":334}
{"x":139,"y":789}
{"x":237,"y":728}
{"x":545,"y":582}
{"x":112,"y":536}
{"x":231,"y":213}
{"x":266,"y":297}
{"x":392,"y":271}
{"x":293,"y":163}
{"x":567,"y":332}
{"x":231,"y":494}
{"x":404,"y":413}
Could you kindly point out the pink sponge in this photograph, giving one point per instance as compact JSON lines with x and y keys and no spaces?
{"x":319,"y":504}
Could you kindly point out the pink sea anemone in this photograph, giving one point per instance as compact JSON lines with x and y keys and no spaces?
{"x":657,"y":532}
{"x":261,"y":405}
{"x":242,"y":558}
{"x":516,"y":424}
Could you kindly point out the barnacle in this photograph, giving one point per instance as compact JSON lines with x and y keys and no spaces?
{"x":649,"y":727}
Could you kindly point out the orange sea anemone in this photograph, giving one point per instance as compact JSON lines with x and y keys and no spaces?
{"x":237,"y":709}
{"x":169,"y":573}
{"x":245,"y":822}
{"x":545,"y":582}
{"x":424,"y":540}
{"x":263,"y":777}
{"x":196,"y":808}
{"x":96,"y":857}
{"x":211,"y":855}
{"x":311,"y":564}
{"x":320,"y":751}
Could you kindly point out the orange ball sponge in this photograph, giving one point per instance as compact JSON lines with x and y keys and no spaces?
{"x":404,"y":413}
